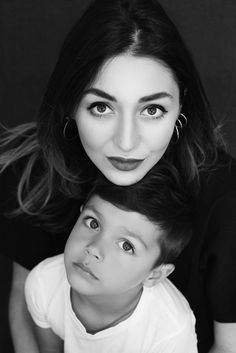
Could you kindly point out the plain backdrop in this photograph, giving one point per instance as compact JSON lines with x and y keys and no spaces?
{"x":32,"y":31}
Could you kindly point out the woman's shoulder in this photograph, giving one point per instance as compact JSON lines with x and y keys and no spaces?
{"x":218,"y":185}
{"x":16,"y":146}
{"x":9,"y":181}
{"x":225,"y":159}
{"x":222,"y":177}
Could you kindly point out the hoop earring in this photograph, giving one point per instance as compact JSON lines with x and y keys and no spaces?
{"x":180,"y":123}
{"x":185,"y":122}
{"x":70,"y":130}
{"x":177,"y":135}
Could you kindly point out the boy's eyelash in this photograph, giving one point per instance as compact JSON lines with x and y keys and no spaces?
{"x":87,"y":218}
{"x":123,"y":241}
{"x":130,"y":244}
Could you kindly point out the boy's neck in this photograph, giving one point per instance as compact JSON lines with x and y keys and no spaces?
{"x":97,"y":313}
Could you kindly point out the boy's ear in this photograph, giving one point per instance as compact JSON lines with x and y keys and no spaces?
{"x":157,"y":274}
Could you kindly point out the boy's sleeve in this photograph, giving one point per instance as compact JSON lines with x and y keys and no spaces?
{"x":35,"y":296}
{"x":185,"y":340}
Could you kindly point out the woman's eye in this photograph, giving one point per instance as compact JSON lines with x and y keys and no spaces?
{"x":99,"y":109}
{"x":154,"y":111}
{"x":91,"y":223}
{"x":127,"y":246}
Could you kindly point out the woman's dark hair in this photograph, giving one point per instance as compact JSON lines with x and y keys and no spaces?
{"x":162,"y":198}
{"x":107,"y":29}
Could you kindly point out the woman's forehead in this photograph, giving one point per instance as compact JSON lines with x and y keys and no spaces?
{"x":127,"y":74}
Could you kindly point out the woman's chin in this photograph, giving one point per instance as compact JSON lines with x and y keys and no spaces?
{"x":124,"y":178}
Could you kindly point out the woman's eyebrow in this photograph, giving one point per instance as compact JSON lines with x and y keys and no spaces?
{"x":99,"y":93}
{"x":155,"y":96}
{"x":102,"y":94}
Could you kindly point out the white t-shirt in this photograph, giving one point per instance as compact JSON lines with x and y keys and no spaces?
{"x":161,"y":323}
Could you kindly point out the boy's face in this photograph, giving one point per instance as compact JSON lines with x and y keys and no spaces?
{"x":110,"y":251}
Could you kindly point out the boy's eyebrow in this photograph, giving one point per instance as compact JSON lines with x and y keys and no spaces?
{"x":93,"y":209}
{"x":102,"y":94}
{"x":136,"y":236}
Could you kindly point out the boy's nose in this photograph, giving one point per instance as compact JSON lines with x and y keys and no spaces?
{"x":92,"y":252}
{"x":127,"y":135}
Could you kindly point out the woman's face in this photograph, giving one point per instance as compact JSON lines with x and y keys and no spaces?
{"x":127,"y":116}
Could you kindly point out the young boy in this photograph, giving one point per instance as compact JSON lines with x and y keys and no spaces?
{"x":109,"y":293}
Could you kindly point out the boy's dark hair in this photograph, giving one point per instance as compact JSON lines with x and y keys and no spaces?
{"x":162,"y":198}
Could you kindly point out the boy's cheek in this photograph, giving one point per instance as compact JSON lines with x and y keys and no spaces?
{"x":75,"y":245}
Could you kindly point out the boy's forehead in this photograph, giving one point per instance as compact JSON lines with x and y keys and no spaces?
{"x":94,"y":203}
{"x":99,"y":205}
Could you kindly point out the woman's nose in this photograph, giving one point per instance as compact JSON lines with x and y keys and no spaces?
{"x":127,"y":134}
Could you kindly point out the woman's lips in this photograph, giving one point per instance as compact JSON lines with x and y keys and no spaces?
{"x":85,"y":270}
{"x":125,"y":164}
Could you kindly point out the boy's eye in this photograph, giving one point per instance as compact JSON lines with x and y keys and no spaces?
{"x":126,"y":246}
{"x":99,"y":109}
{"x":91,"y":223}
{"x":154,"y":111}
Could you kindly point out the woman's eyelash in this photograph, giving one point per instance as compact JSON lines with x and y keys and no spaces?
{"x":162,"y":108}
{"x":97,"y":105}
{"x":153,"y":111}
{"x":156,"y":106}
{"x":100,"y":109}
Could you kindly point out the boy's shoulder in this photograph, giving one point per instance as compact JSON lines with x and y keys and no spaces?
{"x":51,"y":265}
{"x":168,"y":320}
{"x":45,"y":293}
{"x":168,"y":307}
{"x":49,"y":274}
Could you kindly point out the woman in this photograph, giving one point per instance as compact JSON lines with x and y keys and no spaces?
{"x":124,"y":95}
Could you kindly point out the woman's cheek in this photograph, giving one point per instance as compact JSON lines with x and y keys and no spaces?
{"x":93,"y":133}
{"x":159,"y":138}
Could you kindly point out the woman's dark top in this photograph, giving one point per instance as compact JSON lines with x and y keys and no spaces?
{"x":205,"y":271}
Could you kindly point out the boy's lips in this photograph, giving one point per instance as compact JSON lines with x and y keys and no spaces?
{"x":85,"y":269}
{"x":125,"y":164}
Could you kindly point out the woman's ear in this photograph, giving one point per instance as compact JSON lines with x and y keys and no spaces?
{"x":157,"y":274}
